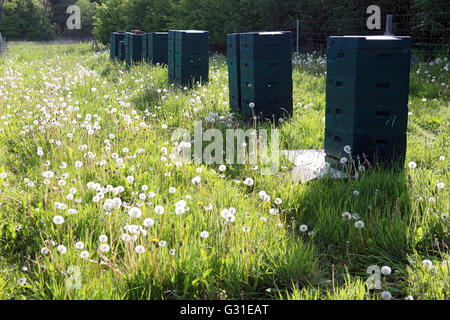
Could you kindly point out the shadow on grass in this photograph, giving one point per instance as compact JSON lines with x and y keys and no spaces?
{"x":383,"y":204}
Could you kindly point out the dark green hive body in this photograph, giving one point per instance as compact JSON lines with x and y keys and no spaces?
{"x":133,"y":47}
{"x":121,"y":54}
{"x":379,"y":147}
{"x":114,"y":39}
{"x":189,"y":58}
{"x":171,"y":55}
{"x":145,"y":56}
{"x":234,"y":71}
{"x":368,"y":120}
{"x":265,"y":74}
{"x":158,"y":48}
{"x":367,"y":90}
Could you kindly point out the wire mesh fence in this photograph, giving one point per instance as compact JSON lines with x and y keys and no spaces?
{"x":429,"y":32}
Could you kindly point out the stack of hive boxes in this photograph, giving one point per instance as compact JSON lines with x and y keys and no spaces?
{"x":260,"y":73}
{"x":114,"y":43}
{"x":234,"y":71}
{"x":157,"y":43}
{"x":121,"y":51}
{"x":188,"y":56}
{"x":133,"y":46}
{"x":367,"y":98}
{"x":145,"y":47}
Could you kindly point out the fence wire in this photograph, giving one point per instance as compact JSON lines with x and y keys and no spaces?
{"x":429,"y":32}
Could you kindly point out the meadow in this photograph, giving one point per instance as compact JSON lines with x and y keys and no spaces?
{"x":95,"y":205}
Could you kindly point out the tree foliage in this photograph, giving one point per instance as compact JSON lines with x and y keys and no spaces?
{"x":43,"y":19}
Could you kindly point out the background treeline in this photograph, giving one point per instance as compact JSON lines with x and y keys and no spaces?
{"x":425,"y":20}
{"x":44,"y":19}
{"x":422,"y":19}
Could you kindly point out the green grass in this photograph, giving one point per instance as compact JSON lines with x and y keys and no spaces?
{"x":48,"y":101}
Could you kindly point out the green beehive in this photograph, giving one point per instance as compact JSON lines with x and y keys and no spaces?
{"x":367,"y":120}
{"x":234,"y":72}
{"x":256,"y":69}
{"x":187,"y":74}
{"x":260,"y":87}
{"x":367,"y":90}
{"x":266,"y":74}
{"x":189,"y":60}
{"x":368,"y":62}
{"x":145,"y":57}
{"x":133,"y":47}
{"x":158,"y":48}
{"x":171,"y":55}
{"x":266,"y":107}
{"x":275,"y":45}
{"x":121,"y":53}
{"x":115,"y":38}
{"x":379,"y":147}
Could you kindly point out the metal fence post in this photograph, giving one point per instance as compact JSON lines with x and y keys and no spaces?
{"x":388,"y":25}
{"x":298,"y":36}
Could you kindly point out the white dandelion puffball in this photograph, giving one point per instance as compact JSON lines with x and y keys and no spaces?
{"x":248,"y":182}
{"x":359,"y":224}
{"x":162,"y":243}
{"x":204,"y":234}
{"x":79,"y":245}
{"x":347,"y":149}
{"x":159,"y":209}
{"x":196,"y":180}
{"x":172,"y":190}
{"x":222,"y":168}
{"x":61,"y":249}
{"x":346,"y":216}
{"x":303,"y":228}
{"x":427,"y":264}
{"x":47,"y":174}
{"x":230,"y":218}
{"x":386,"y":270}
{"x":58,"y":220}
{"x":440,"y":185}
{"x":386,"y":295}
{"x":135,"y":212}
{"x":139,"y":249}
{"x":148,"y":222}
{"x":130,"y":179}
{"x":104,"y":248}
{"x":224,"y":213}
{"x":179,"y":210}
{"x":103,"y":238}
{"x":126,"y":237}
{"x":262,"y":194}
{"x":22,"y":281}
{"x":412,"y":165}
{"x":278,"y":201}
{"x":343,"y":160}
{"x":84,"y":254}
{"x":356,"y":193}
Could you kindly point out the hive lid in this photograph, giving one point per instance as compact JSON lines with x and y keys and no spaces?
{"x":369,"y":42}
